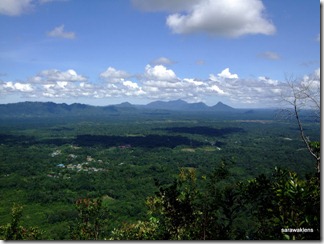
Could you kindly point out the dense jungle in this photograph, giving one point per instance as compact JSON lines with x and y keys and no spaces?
{"x":158,"y":175}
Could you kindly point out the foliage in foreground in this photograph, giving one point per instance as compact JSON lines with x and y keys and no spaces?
{"x":88,"y":225}
{"x":212,"y":207}
{"x":14,"y":231}
{"x":264,"y":208}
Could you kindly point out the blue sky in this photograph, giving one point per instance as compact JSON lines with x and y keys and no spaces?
{"x":105,"y":52}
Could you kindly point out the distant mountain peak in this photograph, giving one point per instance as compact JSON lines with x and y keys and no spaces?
{"x":178,"y":100}
{"x":44,"y":109}
{"x":178,"y":105}
{"x":222,"y":107}
{"x":125,"y":104}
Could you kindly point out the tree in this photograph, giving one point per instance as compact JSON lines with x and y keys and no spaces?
{"x":304,"y":94}
{"x":190,"y":209}
{"x":89,"y":224}
{"x":141,"y":230}
{"x":214,"y":208}
{"x":14,"y":231}
{"x":177,"y":209}
{"x":284,"y":201}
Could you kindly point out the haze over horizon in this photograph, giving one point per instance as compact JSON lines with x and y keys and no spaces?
{"x":126,"y":103}
{"x":138,"y":51}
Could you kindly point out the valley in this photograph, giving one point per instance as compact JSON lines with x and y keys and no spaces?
{"x":50,"y":159}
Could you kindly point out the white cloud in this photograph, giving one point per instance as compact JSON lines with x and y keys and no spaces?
{"x":193,"y":82}
{"x":262,"y":91}
{"x":163,"y":5}
{"x":49,"y":1}
{"x":217,"y":89}
{"x":222,"y":18}
{"x":317,"y":73}
{"x":162,"y":83}
{"x":229,"y":18}
{"x":269,"y":55}
{"x":162,"y":61}
{"x":60,"y":33}
{"x":159,"y":72}
{"x":307,"y":89}
{"x":313,"y":80}
{"x":15,"y":7}
{"x":116,"y":85}
{"x":276,"y":91}
{"x":62,"y":84}
{"x":227,"y":74}
{"x":130,"y":84}
{"x":18,"y":86}
{"x":19,"y":7}
{"x":59,"y":84}
{"x":50,"y":84}
{"x":156,"y":83}
{"x":54,"y":75}
{"x":113,"y":75}
{"x":267,"y":80}
{"x":23,"y":87}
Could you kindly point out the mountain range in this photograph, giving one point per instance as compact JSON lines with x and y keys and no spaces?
{"x":180,"y":105}
{"x":30,"y":109}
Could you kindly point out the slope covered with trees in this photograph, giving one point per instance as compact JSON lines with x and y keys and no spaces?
{"x":176,"y":176}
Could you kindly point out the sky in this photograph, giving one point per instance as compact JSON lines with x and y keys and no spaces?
{"x":102,"y":52}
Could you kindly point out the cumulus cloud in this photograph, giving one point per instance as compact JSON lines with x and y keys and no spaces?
{"x":15,"y":7}
{"x":262,"y":90}
{"x":54,"y":75}
{"x":215,"y":88}
{"x":60,"y":33}
{"x":57,"y":84}
{"x":267,"y":80}
{"x":113,"y":75}
{"x":223,"y":18}
{"x":19,"y":7}
{"x":49,"y":83}
{"x":162,"y":61}
{"x":11,"y":86}
{"x":313,"y":80}
{"x":162,"y":5}
{"x":156,"y":83}
{"x":49,"y":1}
{"x":159,"y":72}
{"x":162,"y":83}
{"x":219,"y":18}
{"x":130,"y":84}
{"x":307,"y":90}
{"x":269,"y":55}
{"x":227,"y":74}
{"x":117,"y":84}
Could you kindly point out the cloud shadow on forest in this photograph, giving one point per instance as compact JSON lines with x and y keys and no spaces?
{"x":204,"y":130}
{"x":149,"y":141}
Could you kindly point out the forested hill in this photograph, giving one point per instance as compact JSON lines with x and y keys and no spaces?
{"x":45,"y":109}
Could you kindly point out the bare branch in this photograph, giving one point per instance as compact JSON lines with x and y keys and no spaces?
{"x":302,"y":134}
{"x":299,"y":95}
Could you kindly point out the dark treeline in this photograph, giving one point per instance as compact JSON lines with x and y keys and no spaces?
{"x":204,"y":130}
{"x":149,"y":141}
